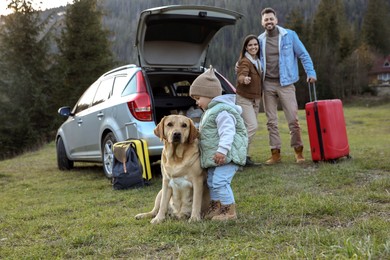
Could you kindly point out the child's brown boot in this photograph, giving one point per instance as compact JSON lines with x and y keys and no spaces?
{"x":213,"y":210}
{"x":227,"y":212}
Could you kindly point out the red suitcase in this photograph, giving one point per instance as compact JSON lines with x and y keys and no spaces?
{"x":326,"y":128}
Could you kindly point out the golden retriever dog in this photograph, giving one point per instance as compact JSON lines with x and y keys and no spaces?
{"x":184,"y":190}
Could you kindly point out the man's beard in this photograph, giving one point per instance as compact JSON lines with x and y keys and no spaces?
{"x":270,"y":27}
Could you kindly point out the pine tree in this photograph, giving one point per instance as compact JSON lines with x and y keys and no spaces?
{"x":375,"y":29}
{"x":84,"y":50}
{"x":328,"y":46}
{"x":356,"y":70}
{"x":295,"y":21}
{"x":24,"y":88}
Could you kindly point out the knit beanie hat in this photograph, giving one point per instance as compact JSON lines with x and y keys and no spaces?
{"x":206,"y":85}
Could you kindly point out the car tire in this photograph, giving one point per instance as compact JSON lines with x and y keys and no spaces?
{"x":107,"y":154}
{"x":63,"y":162}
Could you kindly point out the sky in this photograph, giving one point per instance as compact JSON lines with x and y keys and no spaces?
{"x":44,"y":4}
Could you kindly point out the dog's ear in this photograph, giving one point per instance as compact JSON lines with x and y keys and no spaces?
{"x":194,"y":133}
{"x":159,"y":130}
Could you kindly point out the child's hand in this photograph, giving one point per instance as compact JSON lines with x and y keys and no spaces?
{"x":219,"y":158}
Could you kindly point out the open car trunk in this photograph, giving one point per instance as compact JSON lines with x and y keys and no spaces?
{"x":172,"y":43}
{"x":170,"y":91}
{"x":177,"y":36}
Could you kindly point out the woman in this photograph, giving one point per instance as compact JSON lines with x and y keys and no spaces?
{"x":249,"y":87}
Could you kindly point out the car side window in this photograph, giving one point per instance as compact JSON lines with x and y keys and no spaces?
{"x":131,"y":87}
{"x":104,"y":91}
{"x":86,"y":99}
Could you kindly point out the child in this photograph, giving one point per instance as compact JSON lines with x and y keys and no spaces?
{"x":223,"y":142}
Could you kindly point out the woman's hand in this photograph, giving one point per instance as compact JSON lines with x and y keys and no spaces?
{"x":247,"y":80}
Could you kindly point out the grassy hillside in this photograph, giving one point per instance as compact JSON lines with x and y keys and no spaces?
{"x":287,"y":211}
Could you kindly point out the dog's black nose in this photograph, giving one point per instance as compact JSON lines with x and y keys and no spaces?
{"x":176,"y":137}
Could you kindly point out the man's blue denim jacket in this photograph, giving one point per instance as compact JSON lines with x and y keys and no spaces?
{"x":290,"y":49}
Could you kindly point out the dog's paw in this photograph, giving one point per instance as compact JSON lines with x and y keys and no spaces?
{"x":156,"y":220}
{"x":145,"y":215}
{"x":194,"y":219}
{"x":139,"y":216}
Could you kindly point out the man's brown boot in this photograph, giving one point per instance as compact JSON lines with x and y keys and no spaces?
{"x":299,"y":154}
{"x":213,"y":210}
{"x":227,"y":212}
{"x":275,"y":157}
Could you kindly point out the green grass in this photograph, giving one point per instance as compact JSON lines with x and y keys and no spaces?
{"x":286,"y":211}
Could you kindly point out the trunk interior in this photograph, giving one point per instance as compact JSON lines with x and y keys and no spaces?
{"x":170,"y":91}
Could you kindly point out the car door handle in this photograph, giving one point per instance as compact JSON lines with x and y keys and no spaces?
{"x":100,"y":115}
{"x":79,"y":121}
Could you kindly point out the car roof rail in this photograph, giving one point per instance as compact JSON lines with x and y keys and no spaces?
{"x":128,"y":66}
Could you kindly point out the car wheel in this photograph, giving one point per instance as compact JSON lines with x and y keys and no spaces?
{"x":108,"y":155}
{"x":62,"y":160}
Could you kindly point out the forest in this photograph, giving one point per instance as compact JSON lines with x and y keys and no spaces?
{"x":48,"y":58}
{"x":334,"y":28}
{"x":121,"y":18}
{"x":335,"y":24}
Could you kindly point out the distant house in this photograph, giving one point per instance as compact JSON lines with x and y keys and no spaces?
{"x":379,"y":76}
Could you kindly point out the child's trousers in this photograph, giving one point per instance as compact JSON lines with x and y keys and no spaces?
{"x":219,"y":179}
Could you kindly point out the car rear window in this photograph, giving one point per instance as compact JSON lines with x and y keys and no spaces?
{"x":182,"y":28}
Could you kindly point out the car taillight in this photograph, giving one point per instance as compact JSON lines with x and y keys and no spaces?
{"x":139,"y":105}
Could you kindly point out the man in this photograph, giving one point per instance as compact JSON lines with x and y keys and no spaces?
{"x":280,"y":49}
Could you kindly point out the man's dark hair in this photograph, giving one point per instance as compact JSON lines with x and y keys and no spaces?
{"x":267,"y":11}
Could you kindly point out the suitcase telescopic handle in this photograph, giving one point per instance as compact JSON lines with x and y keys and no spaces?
{"x":314,"y":90}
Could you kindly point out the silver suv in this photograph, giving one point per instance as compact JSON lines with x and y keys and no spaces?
{"x":129,"y":101}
